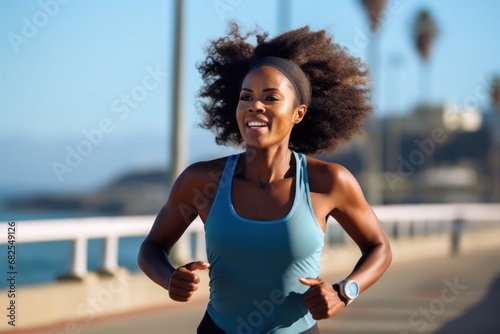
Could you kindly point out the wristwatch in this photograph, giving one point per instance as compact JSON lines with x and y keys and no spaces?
{"x":349,"y":289}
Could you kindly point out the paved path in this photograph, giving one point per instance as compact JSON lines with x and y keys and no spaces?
{"x":438,"y":295}
{"x":435,"y":296}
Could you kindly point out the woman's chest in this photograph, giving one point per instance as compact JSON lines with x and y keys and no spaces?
{"x":271,"y":202}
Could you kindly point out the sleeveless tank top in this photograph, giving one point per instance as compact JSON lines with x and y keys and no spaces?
{"x":255,"y":265}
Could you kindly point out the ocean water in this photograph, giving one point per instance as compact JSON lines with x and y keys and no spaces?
{"x":43,"y":262}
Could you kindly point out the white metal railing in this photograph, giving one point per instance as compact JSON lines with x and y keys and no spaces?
{"x":79,"y":231}
{"x":411,"y":220}
{"x":397,"y":220}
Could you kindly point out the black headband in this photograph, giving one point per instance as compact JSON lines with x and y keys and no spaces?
{"x":300,"y":80}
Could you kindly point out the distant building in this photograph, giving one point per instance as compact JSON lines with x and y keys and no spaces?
{"x":446,"y":153}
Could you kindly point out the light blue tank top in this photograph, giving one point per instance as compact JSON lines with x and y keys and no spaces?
{"x":255,"y":265}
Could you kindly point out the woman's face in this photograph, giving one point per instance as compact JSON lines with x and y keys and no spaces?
{"x":267,"y":109}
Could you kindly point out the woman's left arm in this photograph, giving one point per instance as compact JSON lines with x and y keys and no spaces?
{"x":351,"y":210}
{"x":357,"y":218}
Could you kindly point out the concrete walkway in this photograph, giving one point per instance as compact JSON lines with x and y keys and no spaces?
{"x":424,"y":291}
{"x":445,"y":295}
{"x":442,"y":295}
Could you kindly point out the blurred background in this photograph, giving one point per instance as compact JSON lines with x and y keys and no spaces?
{"x":87,"y":98}
{"x":99,"y":111}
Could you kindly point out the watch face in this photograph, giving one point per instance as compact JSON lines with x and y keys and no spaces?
{"x":352,"y":289}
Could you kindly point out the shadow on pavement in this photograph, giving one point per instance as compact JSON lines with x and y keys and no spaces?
{"x":482,"y":318}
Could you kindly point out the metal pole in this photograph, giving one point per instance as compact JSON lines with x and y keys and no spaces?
{"x":373,"y":146}
{"x":284,"y":15}
{"x":177,"y":145}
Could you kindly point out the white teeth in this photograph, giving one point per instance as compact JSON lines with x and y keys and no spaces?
{"x":256,"y":124}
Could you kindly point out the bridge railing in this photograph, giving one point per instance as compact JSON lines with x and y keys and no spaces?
{"x":399,"y":221}
{"x":414,"y":220}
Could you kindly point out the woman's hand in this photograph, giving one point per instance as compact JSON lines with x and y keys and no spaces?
{"x":184,"y":282}
{"x":321,"y":299}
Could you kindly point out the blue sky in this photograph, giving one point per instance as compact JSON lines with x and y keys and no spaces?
{"x":100,"y":71}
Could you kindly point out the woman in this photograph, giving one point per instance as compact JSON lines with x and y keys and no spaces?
{"x":296,"y":94}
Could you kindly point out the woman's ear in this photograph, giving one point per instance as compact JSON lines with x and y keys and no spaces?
{"x":299,"y":115}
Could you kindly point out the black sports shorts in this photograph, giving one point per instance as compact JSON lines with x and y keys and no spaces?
{"x":208,"y":326}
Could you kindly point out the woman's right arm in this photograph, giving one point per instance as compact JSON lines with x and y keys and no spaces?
{"x":169,"y":225}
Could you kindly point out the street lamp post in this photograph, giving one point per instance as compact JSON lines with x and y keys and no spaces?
{"x":177,"y":140}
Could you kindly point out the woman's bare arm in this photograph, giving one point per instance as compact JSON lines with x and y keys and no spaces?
{"x":337,"y":193}
{"x":357,"y":218}
{"x":169,"y":225}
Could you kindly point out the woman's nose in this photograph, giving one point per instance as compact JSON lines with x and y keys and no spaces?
{"x":256,"y":106}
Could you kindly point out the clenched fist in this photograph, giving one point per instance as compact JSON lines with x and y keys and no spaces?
{"x":321,"y":299}
{"x":184,"y":282}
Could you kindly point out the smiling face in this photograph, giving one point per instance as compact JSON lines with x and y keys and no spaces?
{"x":267,"y":109}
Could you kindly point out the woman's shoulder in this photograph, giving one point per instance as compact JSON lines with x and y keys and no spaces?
{"x":323,"y":168}
{"x":207,"y":165}
{"x":326,"y":176}
{"x":202,"y":172}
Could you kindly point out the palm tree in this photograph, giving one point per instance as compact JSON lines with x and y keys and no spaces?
{"x":425,"y":32}
{"x":373,"y":8}
{"x":374,"y":158}
{"x":284,"y":15}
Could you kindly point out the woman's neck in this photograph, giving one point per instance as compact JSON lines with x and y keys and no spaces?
{"x":263,"y":166}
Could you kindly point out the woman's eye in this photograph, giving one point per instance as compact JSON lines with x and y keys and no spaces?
{"x":245,"y":98}
{"x":272,"y":98}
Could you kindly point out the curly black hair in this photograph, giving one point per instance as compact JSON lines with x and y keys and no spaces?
{"x":340,"y":86}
